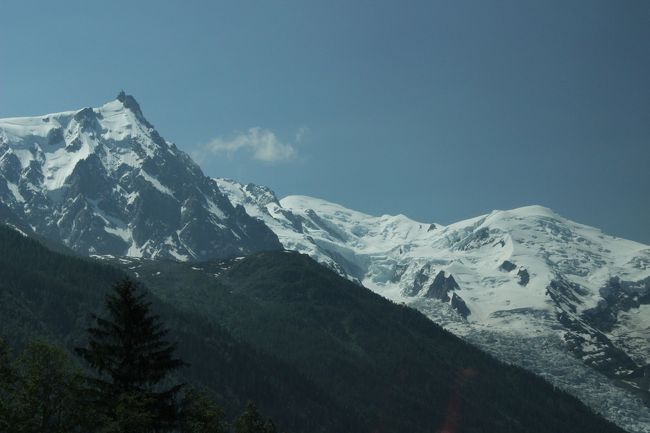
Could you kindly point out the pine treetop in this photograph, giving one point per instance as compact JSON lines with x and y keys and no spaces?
{"x":128,"y":351}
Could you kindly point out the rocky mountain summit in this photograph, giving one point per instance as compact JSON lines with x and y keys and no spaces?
{"x":103,"y":181}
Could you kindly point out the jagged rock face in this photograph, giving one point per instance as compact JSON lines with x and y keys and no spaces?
{"x":586,"y":333}
{"x":524,"y":277}
{"x":441,"y":286}
{"x":103,"y":181}
{"x":507,"y":266}
{"x":458,"y":304}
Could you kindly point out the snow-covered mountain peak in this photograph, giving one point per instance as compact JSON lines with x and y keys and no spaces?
{"x":528,"y":211}
{"x":129,"y":102}
{"x":250,"y":193}
{"x":116,"y":132}
{"x":121,"y":113}
{"x":104,"y":181}
{"x":508,"y":218}
{"x":391,"y":226}
{"x":58,"y":141}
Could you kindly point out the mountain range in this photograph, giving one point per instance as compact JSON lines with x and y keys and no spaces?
{"x":533,"y":288}
{"x":313,"y":350}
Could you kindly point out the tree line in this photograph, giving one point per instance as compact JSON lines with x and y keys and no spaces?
{"x":126,"y":387}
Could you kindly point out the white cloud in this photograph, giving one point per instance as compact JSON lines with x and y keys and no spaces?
{"x":262,"y":144}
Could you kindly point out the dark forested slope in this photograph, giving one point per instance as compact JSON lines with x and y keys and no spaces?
{"x":50,"y":296}
{"x":397,"y":368}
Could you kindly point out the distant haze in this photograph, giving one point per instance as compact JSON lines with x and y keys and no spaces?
{"x":440,"y":110}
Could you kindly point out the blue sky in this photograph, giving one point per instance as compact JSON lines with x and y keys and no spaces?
{"x":440,"y":110}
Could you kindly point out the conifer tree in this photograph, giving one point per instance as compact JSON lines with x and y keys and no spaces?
{"x":128,"y":351}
